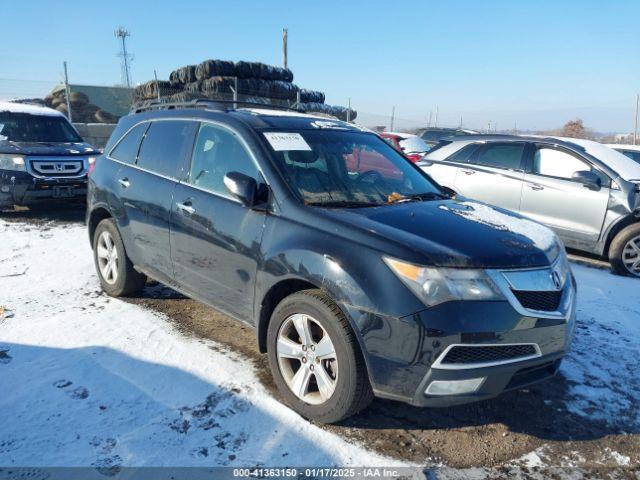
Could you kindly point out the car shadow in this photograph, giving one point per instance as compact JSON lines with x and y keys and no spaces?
{"x":539,"y":411}
{"x":100,"y":407}
{"x":57,"y":213}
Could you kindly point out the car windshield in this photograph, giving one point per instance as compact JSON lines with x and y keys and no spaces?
{"x":414,"y":145}
{"x":25,"y":127}
{"x":347,"y":169}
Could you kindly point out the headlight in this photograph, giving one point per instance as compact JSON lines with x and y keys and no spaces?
{"x":438,"y":285}
{"x":11,"y":162}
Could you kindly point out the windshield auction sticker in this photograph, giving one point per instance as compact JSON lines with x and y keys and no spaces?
{"x":286,"y":141}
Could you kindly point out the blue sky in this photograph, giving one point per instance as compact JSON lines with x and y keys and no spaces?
{"x":537,"y":63}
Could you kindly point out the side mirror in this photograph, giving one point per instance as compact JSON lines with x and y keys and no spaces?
{"x":589,"y":179}
{"x":242,"y":187}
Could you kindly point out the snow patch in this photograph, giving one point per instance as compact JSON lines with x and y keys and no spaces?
{"x":541,"y":236}
{"x":14,"y":107}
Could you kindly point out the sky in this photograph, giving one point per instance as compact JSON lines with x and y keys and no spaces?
{"x":523,"y":64}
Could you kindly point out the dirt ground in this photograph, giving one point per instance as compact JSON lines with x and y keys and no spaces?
{"x":485,"y":434}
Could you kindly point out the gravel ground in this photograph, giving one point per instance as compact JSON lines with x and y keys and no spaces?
{"x":529,"y":427}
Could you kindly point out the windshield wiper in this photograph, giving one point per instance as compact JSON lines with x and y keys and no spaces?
{"x":343,"y":204}
{"x":419,"y":197}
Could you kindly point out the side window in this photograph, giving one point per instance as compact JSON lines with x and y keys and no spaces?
{"x":500,"y":155}
{"x":462,"y":155}
{"x":127,"y":149}
{"x":556,"y":163}
{"x":165,"y":146}
{"x":633,"y":155}
{"x":217,"y":152}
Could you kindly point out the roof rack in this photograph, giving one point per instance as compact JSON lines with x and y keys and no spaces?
{"x":221,"y":105}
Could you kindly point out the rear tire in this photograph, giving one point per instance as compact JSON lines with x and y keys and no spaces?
{"x":337,"y":388}
{"x":624,"y":252}
{"x":117,"y":276}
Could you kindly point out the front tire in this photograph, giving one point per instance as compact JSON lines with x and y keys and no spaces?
{"x":117,"y":276}
{"x":624,"y":252}
{"x":315,"y":358}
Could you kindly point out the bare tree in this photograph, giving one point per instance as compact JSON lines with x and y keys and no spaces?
{"x":575,"y":129}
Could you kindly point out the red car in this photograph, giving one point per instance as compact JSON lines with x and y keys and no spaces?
{"x":412,"y":146}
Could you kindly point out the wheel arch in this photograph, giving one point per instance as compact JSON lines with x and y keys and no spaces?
{"x":616,"y":229}
{"x":94,"y":218}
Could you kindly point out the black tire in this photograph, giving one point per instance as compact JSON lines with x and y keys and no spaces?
{"x":617,"y":247}
{"x":352,"y":391}
{"x":128,"y":279}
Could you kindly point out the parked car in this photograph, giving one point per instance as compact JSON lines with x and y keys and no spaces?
{"x":588,"y":193}
{"x":433,"y":135}
{"x":42,"y":157}
{"x":412,"y":146}
{"x":356,"y":283}
{"x":631,"y":151}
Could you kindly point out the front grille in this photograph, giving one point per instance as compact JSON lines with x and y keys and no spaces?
{"x":547,"y":301}
{"x":57,"y":167}
{"x":469,"y":354}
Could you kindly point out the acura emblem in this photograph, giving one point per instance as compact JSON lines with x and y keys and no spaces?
{"x":555,"y":278}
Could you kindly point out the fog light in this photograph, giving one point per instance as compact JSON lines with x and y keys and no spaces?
{"x":5,"y":189}
{"x":454,"y":387}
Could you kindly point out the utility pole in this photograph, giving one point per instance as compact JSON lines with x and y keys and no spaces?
{"x":436,"y":123}
{"x":67,"y":91}
{"x":125,"y":68}
{"x":430,"y":115}
{"x":349,"y":111}
{"x":460,"y":126}
{"x":635,"y":126}
{"x":393,"y":114}
{"x":285,"y":33}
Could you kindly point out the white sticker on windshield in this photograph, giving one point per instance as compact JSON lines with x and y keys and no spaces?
{"x":286,"y":141}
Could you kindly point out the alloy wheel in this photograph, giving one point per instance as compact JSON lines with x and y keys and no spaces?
{"x":107,"y":258}
{"x":307,"y":359}
{"x":631,"y":256}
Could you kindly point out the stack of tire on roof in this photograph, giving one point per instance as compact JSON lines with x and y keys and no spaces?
{"x":82,"y":110}
{"x":255,"y":82}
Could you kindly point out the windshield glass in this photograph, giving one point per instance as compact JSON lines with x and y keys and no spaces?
{"x":326,"y":167}
{"x":414,"y":145}
{"x":24,"y":127}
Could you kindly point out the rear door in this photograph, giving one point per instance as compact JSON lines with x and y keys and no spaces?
{"x":146,"y":192}
{"x":494,"y":174}
{"x":215,"y":240}
{"x":552,"y":197}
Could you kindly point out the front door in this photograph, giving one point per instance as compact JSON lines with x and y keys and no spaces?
{"x":552,"y":197}
{"x":494,"y":174}
{"x":215,"y":240}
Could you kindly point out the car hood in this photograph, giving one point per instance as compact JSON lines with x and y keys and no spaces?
{"x":47,"y":148}
{"x":456,"y":233}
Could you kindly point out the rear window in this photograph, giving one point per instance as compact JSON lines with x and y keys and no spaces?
{"x":165,"y":146}
{"x":25,"y":127}
{"x":127,"y":149}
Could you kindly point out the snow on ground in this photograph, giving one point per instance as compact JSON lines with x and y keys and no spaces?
{"x":88,"y":380}
{"x":602,"y":369}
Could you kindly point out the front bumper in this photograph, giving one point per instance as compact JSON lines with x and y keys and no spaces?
{"x":403,"y":354}
{"x":22,"y":188}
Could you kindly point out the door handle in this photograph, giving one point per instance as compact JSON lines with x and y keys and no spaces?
{"x":124,"y":182}
{"x":186,"y":207}
{"x":468,"y":172}
{"x":535,"y":186}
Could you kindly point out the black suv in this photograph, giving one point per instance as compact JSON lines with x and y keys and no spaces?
{"x":42,"y":157}
{"x":357,"y":281}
